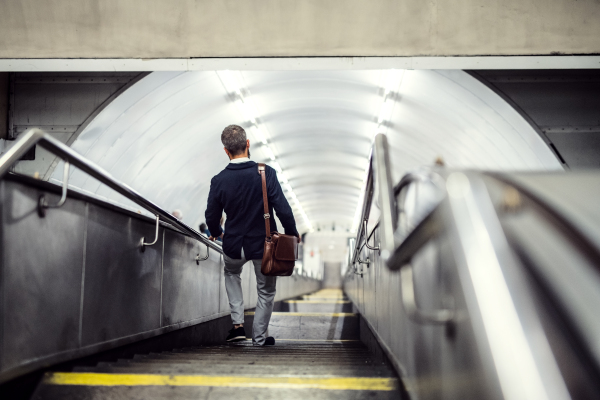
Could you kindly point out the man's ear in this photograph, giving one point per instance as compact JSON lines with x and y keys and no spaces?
{"x":227,"y":152}
{"x":247,"y":143}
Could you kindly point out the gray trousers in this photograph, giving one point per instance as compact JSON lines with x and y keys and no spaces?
{"x":265,"y":286}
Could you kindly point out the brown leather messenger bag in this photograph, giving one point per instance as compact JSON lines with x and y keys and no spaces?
{"x":281,"y":251}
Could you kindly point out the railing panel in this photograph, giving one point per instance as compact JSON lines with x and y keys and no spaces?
{"x":41,"y":267}
{"x":181,"y":287}
{"x":122,"y":283}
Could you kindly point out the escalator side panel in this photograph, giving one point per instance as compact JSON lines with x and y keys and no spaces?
{"x":42,"y":261}
{"x":122,"y":283}
{"x":47,"y":316}
{"x":189,"y":291}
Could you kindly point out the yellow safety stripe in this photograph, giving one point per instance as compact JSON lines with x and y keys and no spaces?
{"x":318,"y":340}
{"x":318,"y":301}
{"x":307,"y":314}
{"x":271,"y":382}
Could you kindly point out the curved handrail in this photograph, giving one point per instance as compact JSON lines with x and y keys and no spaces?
{"x":489,"y":269}
{"x":380,"y":172}
{"x":37,"y":136}
{"x":379,"y":162}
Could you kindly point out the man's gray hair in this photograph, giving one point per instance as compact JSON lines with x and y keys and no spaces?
{"x":234,"y":139}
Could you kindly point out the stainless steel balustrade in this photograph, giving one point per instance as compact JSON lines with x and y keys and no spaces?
{"x":37,"y":136}
{"x":515,"y":351}
{"x":379,"y":166}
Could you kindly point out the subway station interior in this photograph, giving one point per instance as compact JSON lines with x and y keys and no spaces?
{"x":441,"y":159}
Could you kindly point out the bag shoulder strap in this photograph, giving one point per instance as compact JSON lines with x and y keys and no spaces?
{"x":261,"y":171}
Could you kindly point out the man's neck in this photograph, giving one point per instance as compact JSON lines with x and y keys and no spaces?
{"x":242,"y":158}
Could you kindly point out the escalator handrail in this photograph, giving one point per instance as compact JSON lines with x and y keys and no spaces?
{"x":37,"y":136}
{"x":388,"y":221}
{"x":379,"y":159}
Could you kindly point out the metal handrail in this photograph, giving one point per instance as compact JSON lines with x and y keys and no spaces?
{"x":37,"y":136}
{"x":379,"y":167}
{"x":387,"y":201}
{"x":499,"y":289}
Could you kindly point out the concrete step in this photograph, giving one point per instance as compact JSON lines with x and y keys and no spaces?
{"x":242,"y":369}
{"x":305,"y":325}
{"x":316,"y":306}
{"x":292,"y":392}
{"x":318,"y":355}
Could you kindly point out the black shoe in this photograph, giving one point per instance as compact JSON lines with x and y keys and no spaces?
{"x":236,"y":334}
{"x":270,"y":341}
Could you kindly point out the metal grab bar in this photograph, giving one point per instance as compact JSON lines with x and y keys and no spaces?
{"x":409,"y":302}
{"x":43,"y":204}
{"x":376,"y":248}
{"x":387,"y":200}
{"x":37,"y":136}
{"x":427,"y":229}
{"x":143,"y":241}
{"x":198,"y":258}
{"x":379,"y":167}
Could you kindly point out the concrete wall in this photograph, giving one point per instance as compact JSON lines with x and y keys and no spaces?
{"x":332,"y":275}
{"x":253,"y":28}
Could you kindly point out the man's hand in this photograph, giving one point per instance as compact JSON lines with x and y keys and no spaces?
{"x":299,"y":239}
{"x":214,"y":238}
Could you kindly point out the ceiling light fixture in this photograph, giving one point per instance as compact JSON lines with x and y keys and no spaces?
{"x":233,"y":84}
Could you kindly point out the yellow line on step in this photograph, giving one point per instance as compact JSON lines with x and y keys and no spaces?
{"x":271,"y":382}
{"x":308,"y":314}
{"x":314,"y":298}
{"x":314,"y":340}
{"x":318,"y":340}
{"x":324,"y":301}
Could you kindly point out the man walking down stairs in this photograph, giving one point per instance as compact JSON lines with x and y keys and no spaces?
{"x":318,"y":355}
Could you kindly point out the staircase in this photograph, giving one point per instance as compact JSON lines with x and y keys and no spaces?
{"x":318,"y":355}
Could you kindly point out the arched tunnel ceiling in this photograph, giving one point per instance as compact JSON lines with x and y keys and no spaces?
{"x":162,"y":136}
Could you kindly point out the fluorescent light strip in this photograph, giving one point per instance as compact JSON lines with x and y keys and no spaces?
{"x":234,"y":87}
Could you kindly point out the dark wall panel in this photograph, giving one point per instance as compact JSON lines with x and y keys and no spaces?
{"x":41,"y":274}
{"x":122,"y":284}
{"x":189,"y":291}
{"x":563,"y":106}
{"x":579,"y":149}
{"x":62,"y":104}
{"x":47,"y":316}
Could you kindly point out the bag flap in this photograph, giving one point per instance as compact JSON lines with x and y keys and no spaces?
{"x":286,"y":248}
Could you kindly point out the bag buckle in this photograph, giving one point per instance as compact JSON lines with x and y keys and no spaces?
{"x":267,"y":216}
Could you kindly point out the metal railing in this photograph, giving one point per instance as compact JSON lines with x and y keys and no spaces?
{"x":38,"y":137}
{"x":379,"y":182}
{"x":467,"y":214}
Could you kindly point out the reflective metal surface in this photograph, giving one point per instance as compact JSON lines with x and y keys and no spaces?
{"x":488,"y":289}
{"x":143,"y":242}
{"x":121,"y":293}
{"x":75,"y":282}
{"x":41,"y":267}
{"x":37,"y":136}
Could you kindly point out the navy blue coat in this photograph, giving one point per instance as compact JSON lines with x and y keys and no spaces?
{"x":237,"y":190}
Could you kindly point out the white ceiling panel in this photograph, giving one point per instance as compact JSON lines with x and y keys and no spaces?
{"x":162,"y":136}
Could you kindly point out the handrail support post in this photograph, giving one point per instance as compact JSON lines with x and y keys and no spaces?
{"x":43,"y":203}
{"x":143,"y":243}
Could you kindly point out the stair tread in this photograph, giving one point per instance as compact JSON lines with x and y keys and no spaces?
{"x":318,"y":355}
